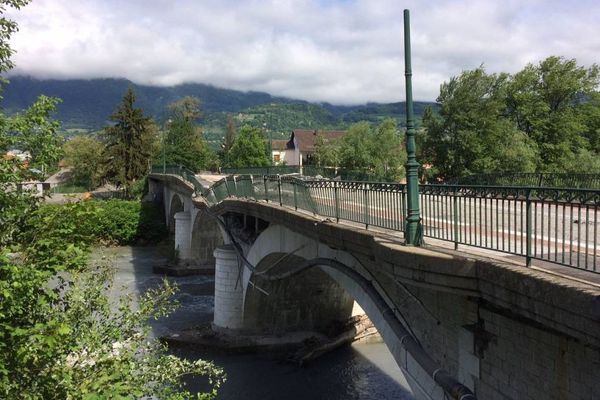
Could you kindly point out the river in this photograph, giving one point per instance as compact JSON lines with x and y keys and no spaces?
{"x":359,"y":371}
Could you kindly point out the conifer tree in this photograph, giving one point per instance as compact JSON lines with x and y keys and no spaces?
{"x":128,"y":144}
{"x":184,"y":143}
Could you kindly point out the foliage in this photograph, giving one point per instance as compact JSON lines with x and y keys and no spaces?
{"x":129,"y":144}
{"x":35,"y":131}
{"x":119,"y":222}
{"x":250,"y":149}
{"x":15,"y":205}
{"x":230,"y":134}
{"x":7,"y":28}
{"x":544,"y":118}
{"x":184,"y":143}
{"x":387,"y":151}
{"x":378,"y":152}
{"x":60,"y":335}
{"x":545,"y":101}
{"x":327,"y":153}
{"x":355,"y":147}
{"x":84,"y":155}
{"x":471,"y":134}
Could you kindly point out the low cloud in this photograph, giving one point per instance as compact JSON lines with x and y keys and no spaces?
{"x":343,"y":52}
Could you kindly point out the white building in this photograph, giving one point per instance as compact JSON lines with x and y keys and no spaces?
{"x":301,"y":146}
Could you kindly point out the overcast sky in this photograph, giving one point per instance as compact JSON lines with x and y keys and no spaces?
{"x":340,"y":51}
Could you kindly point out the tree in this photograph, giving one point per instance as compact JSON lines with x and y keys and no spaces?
{"x":230,"y":134}
{"x":355,"y":147}
{"x":84,"y":155}
{"x":34,"y":130}
{"x":184,"y":143}
{"x":7,"y":28}
{"x":548,"y":102}
{"x":327,"y":153}
{"x":471,"y":133}
{"x":387,"y":152}
{"x":250,"y":149}
{"x":128,"y":144}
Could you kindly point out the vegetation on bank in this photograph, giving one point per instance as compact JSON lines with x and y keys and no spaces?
{"x":61,"y":337}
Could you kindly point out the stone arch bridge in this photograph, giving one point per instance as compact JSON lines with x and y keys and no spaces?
{"x":459,"y":326}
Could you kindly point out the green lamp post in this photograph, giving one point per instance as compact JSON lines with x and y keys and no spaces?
{"x":413,"y":233}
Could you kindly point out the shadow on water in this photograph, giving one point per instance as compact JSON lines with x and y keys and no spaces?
{"x":365,"y":371}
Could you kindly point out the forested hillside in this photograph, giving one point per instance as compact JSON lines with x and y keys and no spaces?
{"x":86,"y":104}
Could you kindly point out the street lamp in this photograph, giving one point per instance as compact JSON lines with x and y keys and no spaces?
{"x":164,"y":155}
{"x":413,"y":233}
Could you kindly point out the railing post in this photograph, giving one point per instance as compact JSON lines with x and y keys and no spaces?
{"x":266,"y":189}
{"x":295,"y":196}
{"x":279,"y":189}
{"x":366,"y":201}
{"x":337,"y":203}
{"x":227,"y":188}
{"x":528,"y":228}
{"x":252,"y":187}
{"x":235,"y":187}
{"x":455,"y":217}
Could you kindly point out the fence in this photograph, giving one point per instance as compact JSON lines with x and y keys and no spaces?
{"x":583,"y":181}
{"x":549,"y":224}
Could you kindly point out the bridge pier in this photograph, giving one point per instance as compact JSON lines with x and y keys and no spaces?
{"x":183,"y":235}
{"x":229,"y":290}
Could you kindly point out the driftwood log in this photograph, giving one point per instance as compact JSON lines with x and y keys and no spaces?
{"x":357,"y":327}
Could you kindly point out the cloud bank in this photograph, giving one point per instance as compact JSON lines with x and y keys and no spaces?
{"x":339,"y":51}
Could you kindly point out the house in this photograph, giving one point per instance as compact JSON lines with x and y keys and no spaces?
{"x":279,"y":152}
{"x":301,"y":146}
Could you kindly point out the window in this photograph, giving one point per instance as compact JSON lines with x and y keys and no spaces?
{"x":276,"y":157}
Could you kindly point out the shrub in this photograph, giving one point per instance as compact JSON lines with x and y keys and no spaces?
{"x":118,"y":222}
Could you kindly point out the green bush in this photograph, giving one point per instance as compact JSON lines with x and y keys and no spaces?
{"x":119,"y":222}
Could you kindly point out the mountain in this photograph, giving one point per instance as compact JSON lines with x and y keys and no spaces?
{"x":86,"y":104}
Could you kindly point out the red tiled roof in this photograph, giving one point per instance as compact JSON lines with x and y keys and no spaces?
{"x":306,"y":138}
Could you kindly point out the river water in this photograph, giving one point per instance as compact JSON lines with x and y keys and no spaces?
{"x":359,"y":371}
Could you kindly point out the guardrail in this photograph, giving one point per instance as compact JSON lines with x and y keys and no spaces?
{"x":554,"y":225}
{"x":537,"y":179}
{"x":305,"y":170}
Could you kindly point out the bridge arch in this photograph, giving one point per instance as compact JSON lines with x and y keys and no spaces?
{"x":301,"y":252}
{"x":176,"y":205}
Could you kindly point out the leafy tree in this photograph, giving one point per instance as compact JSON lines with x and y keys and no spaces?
{"x":327,"y":153}
{"x":548,"y":101}
{"x":184,"y":143}
{"x":129,"y":144}
{"x":7,"y":28}
{"x":250,"y":149}
{"x":471,"y":133}
{"x":378,"y":152}
{"x":84,"y":155}
{"x":34,"y":130}
{"x":355,"y":147}
{"x":388,"y":154}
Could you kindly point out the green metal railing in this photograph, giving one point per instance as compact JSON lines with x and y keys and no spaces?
{"x":583,"y":181}
{"x":554,"y":225}
{"x":305,"y":170}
